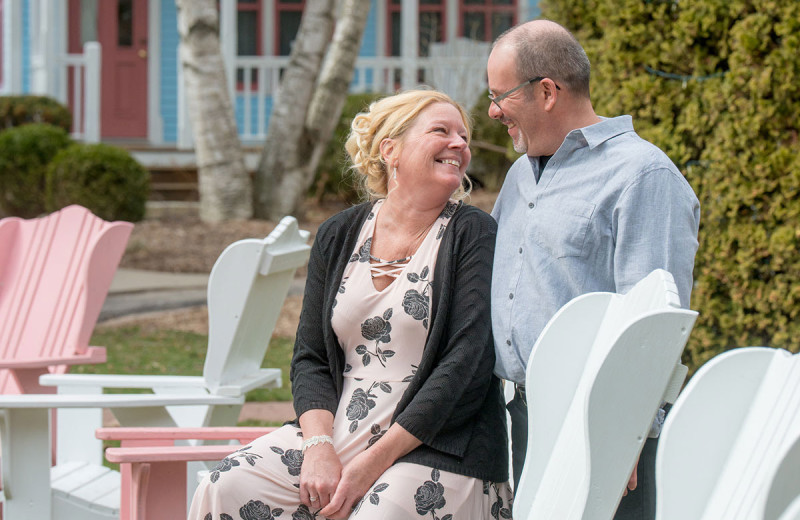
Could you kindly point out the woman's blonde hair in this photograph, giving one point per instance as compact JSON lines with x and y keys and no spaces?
{"x":391,"y":117}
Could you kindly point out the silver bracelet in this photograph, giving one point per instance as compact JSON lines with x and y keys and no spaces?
{"x":316,"y":439}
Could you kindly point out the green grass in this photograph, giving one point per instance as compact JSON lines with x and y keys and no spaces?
{"x":131,"y":351}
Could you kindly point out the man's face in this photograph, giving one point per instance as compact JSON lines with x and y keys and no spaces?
{"x":518,"y":109}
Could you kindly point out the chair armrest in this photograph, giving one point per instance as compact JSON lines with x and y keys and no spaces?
{"x":243,"y":434}
{"x":92,"y":355}
{"x":111,"y":400}
{"x":264,"y":378}
{"x":122,"y":381}
{"x":170,"y":453}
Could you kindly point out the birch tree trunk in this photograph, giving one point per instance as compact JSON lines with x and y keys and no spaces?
{"x":224,"y":185}
{"x":285,"y":144}
{"x":305,"y":117}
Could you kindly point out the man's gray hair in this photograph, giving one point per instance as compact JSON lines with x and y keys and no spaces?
{"x":551,"y":51}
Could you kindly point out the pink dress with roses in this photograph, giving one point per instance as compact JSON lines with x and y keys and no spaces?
{"x":382,"y":334}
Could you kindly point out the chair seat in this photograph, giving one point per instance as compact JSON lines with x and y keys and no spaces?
{"x":86,"y":486}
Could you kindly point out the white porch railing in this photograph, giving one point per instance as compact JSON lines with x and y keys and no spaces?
{"x":84,"y":100}
{"x":258,"y":80}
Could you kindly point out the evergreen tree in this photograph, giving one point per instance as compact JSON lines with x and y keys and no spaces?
{"x":716,"y":85}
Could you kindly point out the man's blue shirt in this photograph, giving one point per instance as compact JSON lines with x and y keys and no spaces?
{"x":608,"y":209}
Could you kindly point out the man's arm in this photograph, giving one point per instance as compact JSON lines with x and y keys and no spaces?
{"x":655,"y":227}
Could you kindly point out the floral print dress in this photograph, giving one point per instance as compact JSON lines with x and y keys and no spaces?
{"x":382,"y":334}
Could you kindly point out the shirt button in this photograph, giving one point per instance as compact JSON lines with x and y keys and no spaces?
{"x":511,"y":296}
{"x":520,"y":250}
{"x":508,"y":342}
{"x":530,"y":205}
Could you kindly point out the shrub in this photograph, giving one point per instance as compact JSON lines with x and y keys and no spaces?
{"x":25,"y":152}
{"x":102,"y":178}
{"x":715,"y":84}
{"x":22,"y":110}
{"x":333,"y":175}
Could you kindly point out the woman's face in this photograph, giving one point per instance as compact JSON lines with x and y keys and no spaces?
{"x":433,"y":155}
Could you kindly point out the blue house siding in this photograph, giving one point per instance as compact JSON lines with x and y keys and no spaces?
{"x":369,"y":40}
{"x":169,"y":70}
{"x":533,"y":9}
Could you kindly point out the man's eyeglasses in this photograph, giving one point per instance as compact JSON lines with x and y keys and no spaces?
{"x":497,"y":99}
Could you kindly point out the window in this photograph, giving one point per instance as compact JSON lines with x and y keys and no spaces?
{"x":248,"y":28}
{"x":249,"y":21}
{"x":287,"y":21}
{"x":485,"y":20}
{"x":431,"y":21}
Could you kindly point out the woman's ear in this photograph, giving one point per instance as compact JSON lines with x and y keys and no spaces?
{"x":388,"y":150}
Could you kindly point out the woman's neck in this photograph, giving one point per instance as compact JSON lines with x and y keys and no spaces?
{"x":408,"y":217}
{"x":401,"y":227}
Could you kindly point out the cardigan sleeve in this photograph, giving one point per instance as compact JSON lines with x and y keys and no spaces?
{"x":450,"y":399}
{"x":313,"y":386}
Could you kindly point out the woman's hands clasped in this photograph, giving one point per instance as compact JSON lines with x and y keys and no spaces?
{"x":357,"y":477}
{"x":319,"y":476}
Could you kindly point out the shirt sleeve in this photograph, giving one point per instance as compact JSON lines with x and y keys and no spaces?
{"x":655,"y":226}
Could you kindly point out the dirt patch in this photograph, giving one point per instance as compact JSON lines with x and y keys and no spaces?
{"x":185,"y":244}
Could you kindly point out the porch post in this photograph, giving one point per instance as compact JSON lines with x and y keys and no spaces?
{"x":44,"y":45}
{"x":452,"y":20}
{"x":12,"y":47}
{"x":409,"y":42}
{"x":227,"y":41}
{"x":91,"y":122}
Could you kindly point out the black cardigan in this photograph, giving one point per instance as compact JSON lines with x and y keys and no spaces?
{"x":454,"y":404}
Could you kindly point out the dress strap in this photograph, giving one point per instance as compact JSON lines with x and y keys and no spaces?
{"x":393,"y":268}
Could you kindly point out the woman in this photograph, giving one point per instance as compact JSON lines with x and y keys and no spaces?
{"x":392,"y":368}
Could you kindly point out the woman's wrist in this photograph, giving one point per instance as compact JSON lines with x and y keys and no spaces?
{"x":315,"y":440}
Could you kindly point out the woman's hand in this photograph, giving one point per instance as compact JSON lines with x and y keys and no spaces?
{"x":357,"y":477}
{"x":319,"y":476}
{"x":321,"y":469}
{"x":366,"y":467}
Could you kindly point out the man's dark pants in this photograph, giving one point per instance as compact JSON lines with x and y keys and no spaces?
{"x":639,"y":504}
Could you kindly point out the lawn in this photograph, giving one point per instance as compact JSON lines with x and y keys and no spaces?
{"x":130,"y":350}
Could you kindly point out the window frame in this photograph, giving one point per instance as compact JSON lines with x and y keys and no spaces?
{"x":392,"y":7}
{"x":487,"y":8}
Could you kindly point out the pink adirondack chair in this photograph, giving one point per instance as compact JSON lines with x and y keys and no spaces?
{"x":55,"y":273}
{"x":153,"y":468}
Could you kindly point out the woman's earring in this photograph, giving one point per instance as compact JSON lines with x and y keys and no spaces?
{"x":394,"y":173}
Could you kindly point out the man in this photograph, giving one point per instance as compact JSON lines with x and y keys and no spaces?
{"x":590,"y":206}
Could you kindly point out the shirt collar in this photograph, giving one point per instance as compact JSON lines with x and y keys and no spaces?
{"x":608,"y":128}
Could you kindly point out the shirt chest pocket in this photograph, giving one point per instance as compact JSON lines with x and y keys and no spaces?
{"x":560,"y":226}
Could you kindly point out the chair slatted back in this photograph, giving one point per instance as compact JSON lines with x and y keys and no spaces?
{"x":246,"y":290}
{"x":731,"y":444}
{"x":55,"y":273}
{"x":594,"y":382}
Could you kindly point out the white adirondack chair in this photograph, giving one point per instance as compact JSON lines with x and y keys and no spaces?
{"x":246,"y":289}
{"x":595,"y":380}
{"x":730,"y":448}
